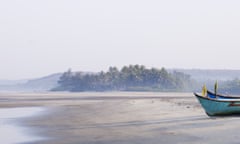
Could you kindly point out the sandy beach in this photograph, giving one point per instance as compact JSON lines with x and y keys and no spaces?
{"x":122,"y":118}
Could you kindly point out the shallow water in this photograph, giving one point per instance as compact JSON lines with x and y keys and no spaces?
{"x":10,"y":132}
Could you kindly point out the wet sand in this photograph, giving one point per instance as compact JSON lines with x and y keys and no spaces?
{"x":10,"y":132}
{"x":122,"y":118}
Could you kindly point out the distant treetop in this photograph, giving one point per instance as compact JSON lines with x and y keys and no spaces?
{"x":129,"y":78}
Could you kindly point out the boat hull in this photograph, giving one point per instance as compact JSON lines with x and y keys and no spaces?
{"x":219,"y":107}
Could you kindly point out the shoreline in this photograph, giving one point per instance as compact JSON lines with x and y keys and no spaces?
{"x":72,"y":114}
{"x":113,"y":118}
{"x":12,"y":131}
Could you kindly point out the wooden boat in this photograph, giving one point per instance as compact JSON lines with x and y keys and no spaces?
{"x":220,"y":96}
{"x":215,"y":107}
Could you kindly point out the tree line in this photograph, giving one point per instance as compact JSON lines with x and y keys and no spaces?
{"x":128,"y":78}
{"x":230,"y":86}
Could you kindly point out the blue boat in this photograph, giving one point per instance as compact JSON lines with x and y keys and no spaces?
{"x":214,"y":107}
{"x":220,"y":96}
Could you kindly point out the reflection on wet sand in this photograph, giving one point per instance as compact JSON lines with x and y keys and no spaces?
{"x":10,"y":132}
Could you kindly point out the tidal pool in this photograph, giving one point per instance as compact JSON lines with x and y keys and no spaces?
{"x":10,"y":131}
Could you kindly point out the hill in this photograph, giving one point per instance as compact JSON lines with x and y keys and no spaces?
{"x":49,"y":82}
{"x":34,"y":85}
{"x":128,"y":78}
{"x":202,"y":75}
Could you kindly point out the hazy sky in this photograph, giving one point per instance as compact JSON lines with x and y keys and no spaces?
{"x":40,"y":37}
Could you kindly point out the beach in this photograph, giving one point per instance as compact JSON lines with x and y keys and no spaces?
{"x":121,"y":118}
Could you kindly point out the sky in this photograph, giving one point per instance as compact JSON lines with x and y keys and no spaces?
{"x":41,"y":37}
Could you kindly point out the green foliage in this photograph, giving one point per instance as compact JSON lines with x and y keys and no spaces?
{"x":129,"y":78}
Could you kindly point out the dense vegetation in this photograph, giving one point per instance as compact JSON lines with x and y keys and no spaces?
{"x":129,"y":78}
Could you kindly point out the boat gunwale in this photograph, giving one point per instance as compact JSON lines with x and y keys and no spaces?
{"x":224,"y":96}
{"x":217,"y":100}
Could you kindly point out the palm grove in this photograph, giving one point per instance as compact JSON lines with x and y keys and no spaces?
{"x":129,"y":78}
